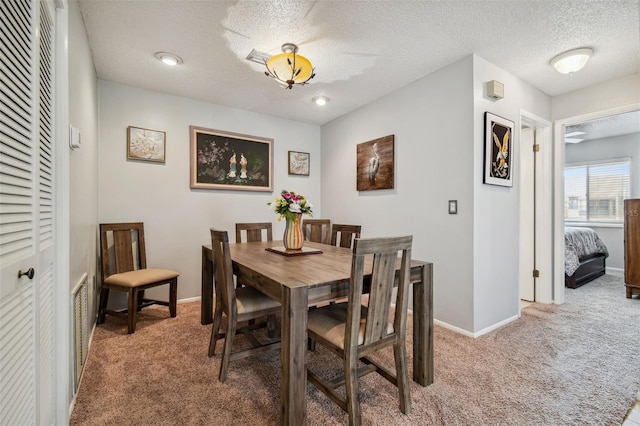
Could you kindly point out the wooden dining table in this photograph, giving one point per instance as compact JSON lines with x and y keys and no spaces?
{"x":298,"y":282}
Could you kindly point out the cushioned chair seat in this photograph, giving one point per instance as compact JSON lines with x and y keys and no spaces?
{"x":140,"y":277}
{"x":248,"y":299}
{"x":330,"y":322}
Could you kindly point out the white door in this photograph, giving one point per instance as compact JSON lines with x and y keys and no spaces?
{"x":527,"y":214}
{"x":27,"y":319}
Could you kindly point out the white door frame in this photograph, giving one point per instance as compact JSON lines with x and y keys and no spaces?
{"x":558,"y":210}
{"x":543,"y":205}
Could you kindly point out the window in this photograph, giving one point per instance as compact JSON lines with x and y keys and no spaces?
{"x":595,"y":192}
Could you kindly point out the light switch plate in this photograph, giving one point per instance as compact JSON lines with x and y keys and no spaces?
{"x":453,"y":206}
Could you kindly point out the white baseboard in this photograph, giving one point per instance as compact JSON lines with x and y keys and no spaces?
{"x":614,"y":271}
{"x":189,"y":299}
{"x":477,"y":333}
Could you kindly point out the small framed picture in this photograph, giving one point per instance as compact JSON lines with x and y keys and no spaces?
{"x":298,"y":163}
{"x":145,"y":144}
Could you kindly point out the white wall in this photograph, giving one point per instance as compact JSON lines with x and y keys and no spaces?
{"x":438,"y":126}
{"x":83,"y":162}
{"x":600,"y":97}
{"x":177,"y":218}
{"x":496,"y":208}
{"x":433,"y":127}
{"x":603,"y":150}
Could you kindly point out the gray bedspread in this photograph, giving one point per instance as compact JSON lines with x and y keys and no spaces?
{"x":579,"y":242}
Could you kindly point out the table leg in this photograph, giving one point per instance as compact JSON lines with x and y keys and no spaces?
{"x":206,"y":290}
{"x":293,"y":379}
{"x":423,"y":328}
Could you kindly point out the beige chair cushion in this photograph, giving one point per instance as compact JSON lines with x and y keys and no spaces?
{"x":140,"y":277}
{"x":330,"y":323}
{"x":248,"y":299}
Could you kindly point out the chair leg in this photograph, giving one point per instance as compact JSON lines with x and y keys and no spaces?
{"x":132,"y":310}
{"x":271,"y":326}
{"x":140,"y":300}
{"x":104,"y":298}
{"x":228,"y":343}
{"x":402,"y":375}
{"x":351,"y":384}
{"x":173,"y":297}
{"x":217,"y":319}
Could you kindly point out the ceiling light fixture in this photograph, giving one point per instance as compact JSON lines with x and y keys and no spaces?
{"x":572,"y":60}
{"x":320,"y":100}
{"x":168,"y":58}
{"x":288,"y":68}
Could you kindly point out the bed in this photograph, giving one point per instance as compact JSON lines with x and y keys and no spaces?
{"x":584,"y":256}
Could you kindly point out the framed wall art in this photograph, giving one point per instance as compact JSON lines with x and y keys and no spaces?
{"x":498,"y":150}
{"x":225,"y":160}
{"x":145,"y":144}
{"x":375,"y":164}
{"x":298,"y":163}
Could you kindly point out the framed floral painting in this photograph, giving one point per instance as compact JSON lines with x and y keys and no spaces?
{"x":498,"y":150}
{"x":299,"y":163}
{"x":233,"y":161}
{"x":145,"y":144}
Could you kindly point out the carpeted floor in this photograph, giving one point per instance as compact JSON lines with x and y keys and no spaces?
{"x":570,"y":364}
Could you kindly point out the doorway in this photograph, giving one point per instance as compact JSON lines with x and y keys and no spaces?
{"x":535,"y":208}
{"x":560,"y":127}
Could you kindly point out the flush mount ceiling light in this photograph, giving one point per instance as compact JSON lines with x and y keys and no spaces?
{"x":320,"y":100}
{"x":168,"y":58}
{"x":289,"y":68}
{"x":572,"y":60}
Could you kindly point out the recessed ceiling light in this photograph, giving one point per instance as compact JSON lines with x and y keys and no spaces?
{"x":572,"y":60}
{"x":168,"y":58}
{"x":320,"y":100}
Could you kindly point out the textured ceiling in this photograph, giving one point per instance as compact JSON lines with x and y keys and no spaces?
{"x":362,"y":50}
{"x":606,"y":127}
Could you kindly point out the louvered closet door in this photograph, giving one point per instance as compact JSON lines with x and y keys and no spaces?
{"x":27,"y":320}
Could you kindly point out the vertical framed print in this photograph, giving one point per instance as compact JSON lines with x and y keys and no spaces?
{"x":498,"y":150}
{"x":375,"y":164}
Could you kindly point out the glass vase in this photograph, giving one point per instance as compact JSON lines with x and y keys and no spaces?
{"x":293,"y":233}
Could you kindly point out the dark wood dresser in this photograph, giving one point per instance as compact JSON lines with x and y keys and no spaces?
{"x":632,"y":246}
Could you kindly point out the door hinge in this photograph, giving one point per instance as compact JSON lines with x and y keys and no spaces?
{"x":536,"y":147}
{"x":536,"y":273}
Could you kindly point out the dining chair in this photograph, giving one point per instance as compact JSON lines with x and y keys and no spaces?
{"x":128,"y":272}
{"x":238,"y":304}
{"x":317,"y":230}
{"x":353,"y":331}
{"x":253,"y":231}
{"x":343,"y":235}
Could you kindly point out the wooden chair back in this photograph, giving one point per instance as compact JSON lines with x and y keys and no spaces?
{"x":253,"y":231}
{"x":347,"y":233}
{"x":378,"y":314}
{"x":223,"y":272}
{"x":129,"y":251}
{"x":317,"y":230}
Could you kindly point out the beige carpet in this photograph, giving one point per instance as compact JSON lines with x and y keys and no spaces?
{"x":578,"y":363}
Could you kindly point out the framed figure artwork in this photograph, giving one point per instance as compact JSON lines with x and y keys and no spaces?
{"x":233,"y":161}
{"x":498,"y":150}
